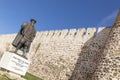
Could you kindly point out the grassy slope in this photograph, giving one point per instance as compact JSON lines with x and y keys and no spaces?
{"x":4,"y":77}
{"x":29,"y":76}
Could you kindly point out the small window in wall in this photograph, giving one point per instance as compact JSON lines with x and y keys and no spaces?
{"x":60,"y":34}
{"x":75,"y":33}
{"x":66,"y":34}
{"x":47,"y":34}
{"x":53,"y":34}
{"x":83,"y":34}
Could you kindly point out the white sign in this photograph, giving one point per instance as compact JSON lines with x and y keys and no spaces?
{"x":14,"y":63}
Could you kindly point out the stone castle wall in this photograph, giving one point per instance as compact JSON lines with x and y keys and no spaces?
{"x":60,"y":54}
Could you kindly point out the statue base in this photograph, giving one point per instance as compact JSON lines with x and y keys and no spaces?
{"x":14,"y":63}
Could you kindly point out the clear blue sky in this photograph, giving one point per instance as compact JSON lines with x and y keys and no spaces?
{"x":56,"y":14}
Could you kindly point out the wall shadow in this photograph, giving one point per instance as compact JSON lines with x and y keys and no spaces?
{"x":90,"y":55}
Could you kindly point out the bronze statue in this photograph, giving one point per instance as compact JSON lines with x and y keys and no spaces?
{"x":24,"y":37}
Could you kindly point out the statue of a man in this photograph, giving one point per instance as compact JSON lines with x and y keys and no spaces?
{"x":24,"y":37}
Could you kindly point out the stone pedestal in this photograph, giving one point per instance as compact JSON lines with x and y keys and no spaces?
{"x":14,"y":63}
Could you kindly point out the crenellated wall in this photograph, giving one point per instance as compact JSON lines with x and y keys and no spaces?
{"x":55,"y":54}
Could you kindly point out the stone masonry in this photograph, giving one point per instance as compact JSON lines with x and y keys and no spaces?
{"x":73,"y":54}
{"x":109,"y":64}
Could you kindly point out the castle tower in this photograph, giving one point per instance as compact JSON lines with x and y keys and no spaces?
{"x":117,"y":21}
{"x":109,"y":63}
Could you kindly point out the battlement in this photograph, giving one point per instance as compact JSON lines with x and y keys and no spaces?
{"x":65,"y":33}
{"x":83,"y":33}
{"x":58,"y":50}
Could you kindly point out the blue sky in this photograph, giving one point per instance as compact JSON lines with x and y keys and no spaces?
{"x":56,"y":14}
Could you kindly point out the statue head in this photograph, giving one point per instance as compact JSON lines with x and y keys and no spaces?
{"x":33,"y":21}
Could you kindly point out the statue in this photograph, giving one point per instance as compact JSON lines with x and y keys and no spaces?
{"x":25,"y":37}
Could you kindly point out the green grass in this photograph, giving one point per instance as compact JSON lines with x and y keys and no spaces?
{"x":29,"y":76}
{"x":4,"y":77}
